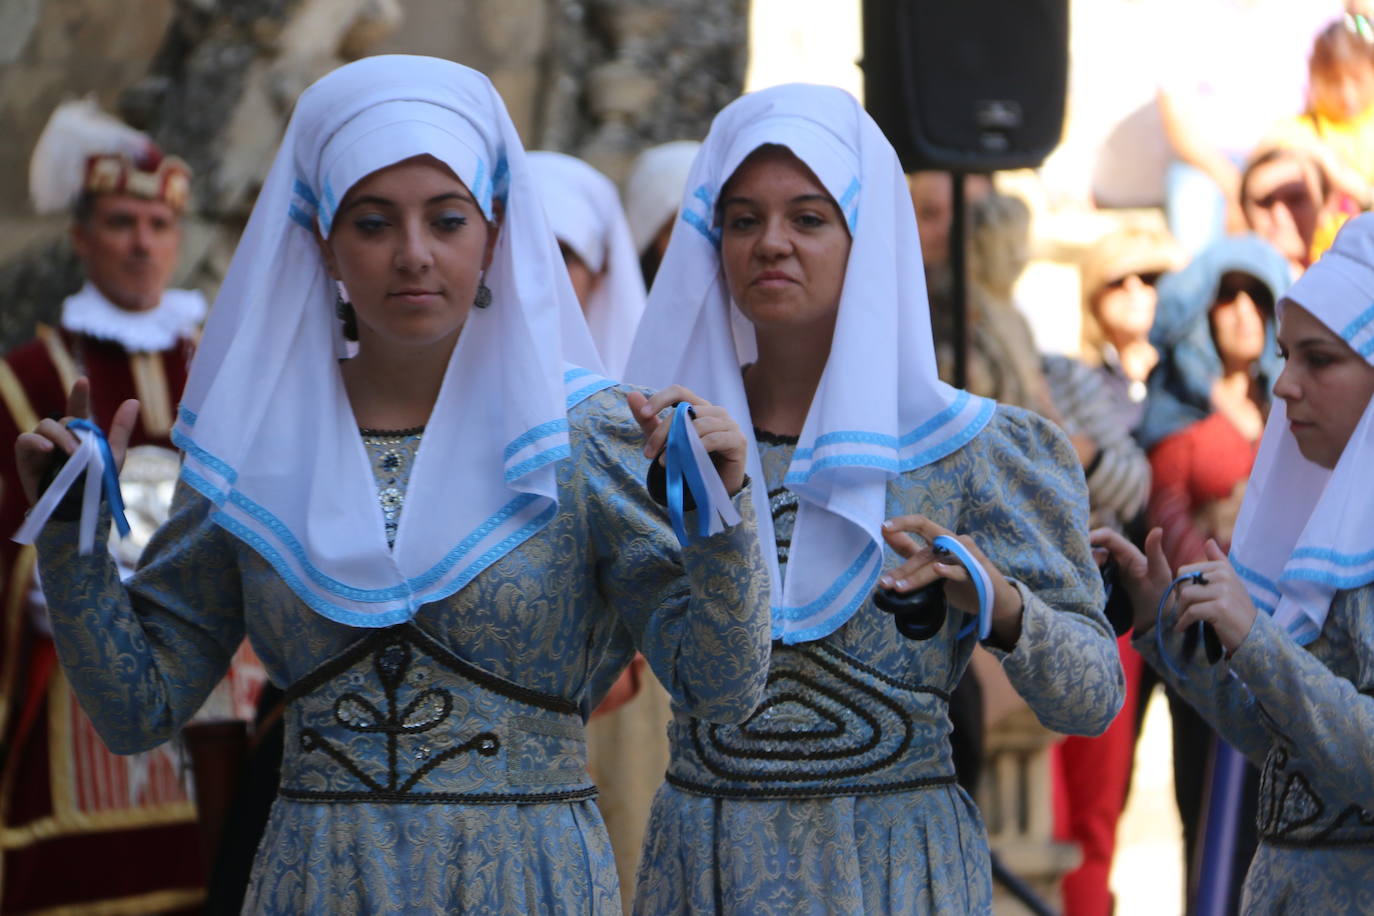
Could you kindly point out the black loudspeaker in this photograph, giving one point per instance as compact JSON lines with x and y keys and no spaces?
{"x":967,"y":85}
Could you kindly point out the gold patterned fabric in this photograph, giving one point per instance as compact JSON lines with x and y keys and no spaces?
{"x":837,"y":796}
{"x":493,"y":683}
{"x":1305,"y":716}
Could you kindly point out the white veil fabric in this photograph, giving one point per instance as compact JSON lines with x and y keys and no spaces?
{"x":584,"y":211}
{"x":265,"y":423}
{"x":653,"y":188}
{"x":880,"y":408}
{"x":1304,"y":531}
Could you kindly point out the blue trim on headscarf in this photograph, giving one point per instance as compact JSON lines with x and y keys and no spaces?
{"x":538,"y":461}
{"x":1259,"y":582}
{"x":184,"y":442}
{"x":479,"y":186}
{"x":1253,"y":577}
{"x":1332,"y":556}
{"x":1323,"y":577}
{"x":902,"y":463}
{"x":850,"y":196}
{"x":302,"y":190}
{"x":582,"y":394}
{"x":301,"y":218}
{"x":836,"y":589}
{"x":203,"y":487}
{"x":700,"y":225}
{"x":1358,"y":324}
{"x":348,"y":617}
{"x":329,"y":584}
{"x":542,"y":431}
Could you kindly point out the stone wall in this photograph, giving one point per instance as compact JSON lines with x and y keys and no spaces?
{"x":214,"y":81}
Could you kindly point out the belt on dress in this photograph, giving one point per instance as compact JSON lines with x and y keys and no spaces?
{"x":829,"y":726}
{"x":398,"y":718}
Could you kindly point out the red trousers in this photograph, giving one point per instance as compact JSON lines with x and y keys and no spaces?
{"x":1091,"y":775}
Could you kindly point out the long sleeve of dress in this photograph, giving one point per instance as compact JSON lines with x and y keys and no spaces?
{"x":1030,"y":519}
{"x":1222,"y":699}
{"x":142,"y":658}
{"x":707,"y":634}
{"x":1273,"y":690}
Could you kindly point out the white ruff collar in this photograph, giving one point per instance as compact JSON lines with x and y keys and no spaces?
{"x":176,"y":317}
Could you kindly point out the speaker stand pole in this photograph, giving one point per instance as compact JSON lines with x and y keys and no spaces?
{"x":958,"y":265}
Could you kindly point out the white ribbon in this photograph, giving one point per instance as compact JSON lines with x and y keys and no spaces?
{"x":87,"y":457}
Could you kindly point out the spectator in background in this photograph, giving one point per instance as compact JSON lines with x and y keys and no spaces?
{"x":65,"y":797}
{"x":1233,"y":71}
{"x":653,"y":191}
{"x":1204,"y":416}
{"x":1100,"y":398}
{"x":1119,"y":277}
{"x":1289,"y":201}
{"x":1003,"y":362}
{"x":584,"y":212}
{"x":1337,"y":125}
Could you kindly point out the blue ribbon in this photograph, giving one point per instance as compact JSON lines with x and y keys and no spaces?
{"x":681,"y":469}
{"x":110,"y":479}
{"x":1195,"y":578}
{"x":984,"y":618}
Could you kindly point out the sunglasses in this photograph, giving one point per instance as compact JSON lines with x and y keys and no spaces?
{"x":1149,"y":278}
{"x":1259,"y":294}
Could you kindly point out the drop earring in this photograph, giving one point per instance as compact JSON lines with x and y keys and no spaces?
{"x":344,"y":310}
{"x":483,"y":298}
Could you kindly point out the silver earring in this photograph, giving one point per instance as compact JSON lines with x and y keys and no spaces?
{"x":483,"y":298}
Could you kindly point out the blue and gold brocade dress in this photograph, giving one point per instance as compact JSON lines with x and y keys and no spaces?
{"x":838,"y":796}
{"x":1305,"y":716}
{"x":438,"y":765}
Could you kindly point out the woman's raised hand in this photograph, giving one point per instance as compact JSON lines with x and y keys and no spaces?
{"x":33,"y":451}
{"x":1221,"y":600}
{"x":923,"y":566}
{"x":718,"y":431}
{"x":1145,"y":576}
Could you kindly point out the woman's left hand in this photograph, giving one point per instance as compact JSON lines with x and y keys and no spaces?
{"x":923,"y":566}
{"x":718,"y":431}
{"x":1222,"y":601}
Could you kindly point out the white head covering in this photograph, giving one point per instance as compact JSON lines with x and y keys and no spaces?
{"x":1304,"y":532}
{"x":583,"y":207}
{"x":266,"y":425}
{"x":654,"y":188}
{"x":880,"y":409}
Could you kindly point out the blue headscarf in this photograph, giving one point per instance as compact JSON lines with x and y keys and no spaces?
{"x":1180,"y":386}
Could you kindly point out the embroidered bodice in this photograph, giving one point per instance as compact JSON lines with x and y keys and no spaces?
{"x":863,"y":711}
{"x":392,"y":454}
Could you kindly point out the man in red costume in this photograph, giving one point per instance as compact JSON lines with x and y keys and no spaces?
{"x":81,"y":829}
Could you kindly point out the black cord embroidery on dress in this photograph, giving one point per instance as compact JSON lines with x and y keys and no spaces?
{"x":1299,"y":806}
{"x":411,"y":633}
{"x":846,"y":696}
{"x":430,"y":708}
{"x":755,"y":727}
{"x":443,"y":798}
{"x":847,"y":659}
{"x":779,"y":792}
{"x":396,"y":715}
